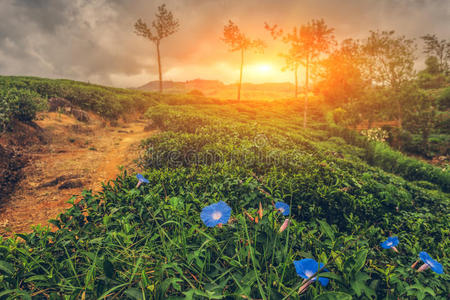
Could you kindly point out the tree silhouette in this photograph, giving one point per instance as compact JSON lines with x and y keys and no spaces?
{"x":164,"y":25}
{"x":341,"y":74}
{"x":237,"y":41}
{"x":306,"y":44}
{"x":291,"y":57}
{"x":439,"y":49}
{"x":389,"y":62}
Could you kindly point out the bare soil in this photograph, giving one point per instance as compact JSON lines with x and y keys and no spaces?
{"x":74,"y":156}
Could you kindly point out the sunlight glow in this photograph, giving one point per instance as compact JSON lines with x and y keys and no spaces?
{"x":264,"y":68}
{"x":261,"y":72}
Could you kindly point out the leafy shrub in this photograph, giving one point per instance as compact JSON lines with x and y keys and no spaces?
{"x":20,"y":105}
{"x":382,"y":156}
{"x":151,"y":242}
{"x":431,"y":81}
{"x":340,"y":116}
{"x":444,"y":99}
{"x":107,"y":102}
{"x":443,"y":123}
{"x":145,"y":241}
{"x":11,"y":164}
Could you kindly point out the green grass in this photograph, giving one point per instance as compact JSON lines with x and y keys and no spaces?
{"x":346,"y":196}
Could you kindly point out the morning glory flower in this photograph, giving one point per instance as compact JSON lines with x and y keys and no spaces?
{"x":283,"y":208}
{"x":141,"y":180}
{"x":216,"y":214}
{"x":306,"y":268}
{"x":390,"y":243}
{"x":428,"y":263}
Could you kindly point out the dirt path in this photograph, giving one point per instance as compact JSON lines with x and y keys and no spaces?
{"x":78,"y":157}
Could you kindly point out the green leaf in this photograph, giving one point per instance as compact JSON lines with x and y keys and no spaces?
{"x":429,"y":291}
{"x":6,"y":267}
{"x":108,"y":268}
{"x":170,"y":282}
{"x":358,"y":287}
{"x":17,"y":292}
{"x":331,"y":276}
{"x":360,"y":260}
{"x":134,"y":293}
{"x":24,"y":236}
{"x":334,"y":296}
{"x":324,"y":227}
{"x":36,"y":278}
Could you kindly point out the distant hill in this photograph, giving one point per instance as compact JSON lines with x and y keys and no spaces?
{"x":199,"y":84}
{"x":217,"y":89}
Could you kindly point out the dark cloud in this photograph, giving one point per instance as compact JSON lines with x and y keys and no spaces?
{"x":94,"y":40}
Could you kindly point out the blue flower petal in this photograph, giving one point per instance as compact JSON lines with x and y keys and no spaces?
{"x":283,"y":208}
{"x":434,"y":265}
{"x":306,"y":267}
{"x":214,"y":214}
{"x":324,"y":281}
{"x":425,"y":257}
{"x":390,"y":242}
{"x":142,"y":178}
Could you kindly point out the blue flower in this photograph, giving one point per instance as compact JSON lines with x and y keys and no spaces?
{"x":307,"y":267}
{"x":283,"y":208}
{"x":214,"y":214}
{"x":431,"y":263}
{"x":391,"y":242}
{"x":141,"y":180}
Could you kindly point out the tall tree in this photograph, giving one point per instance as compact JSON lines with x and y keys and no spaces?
{"x":314,"y":39}
{"x":163,"y":26}
{"x":389,"y":63}
{"x":420,"y":113}
{"x":341,"y":76}
{"x":307,"y":44}
{"x":238,"y":41}
{"x":291,"y":57}
{"x":389,"y":58}
{"x":439,"y":49}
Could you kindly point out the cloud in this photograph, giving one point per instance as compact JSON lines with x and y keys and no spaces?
{"x":94,"y":40}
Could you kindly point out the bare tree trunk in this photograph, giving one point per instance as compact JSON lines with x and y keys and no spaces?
{"x":240,"y":76}
{"x":305,"y":113}
{"x":159,"y":67}
{"x":296,"y":80}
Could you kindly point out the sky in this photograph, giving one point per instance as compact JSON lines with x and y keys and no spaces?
{"x":94,"y":40}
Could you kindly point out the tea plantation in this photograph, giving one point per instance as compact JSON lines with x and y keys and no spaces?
{"x":346,"y":195}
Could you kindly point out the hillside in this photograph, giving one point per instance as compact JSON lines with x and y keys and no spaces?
{"x":345,"y":195}
{"x":217,"y":89}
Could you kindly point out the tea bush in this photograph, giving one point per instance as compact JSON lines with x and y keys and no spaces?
{"x":444,"y":99}
{"x":148,"y":241}
{"x":21,"y":105}
{"x":105,"y":101}
{"x":381,"y":155}
{"x":108,"y":102}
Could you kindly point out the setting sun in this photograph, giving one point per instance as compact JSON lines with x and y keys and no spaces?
{"x":264,"y":68}
{"x":260,"y":72}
